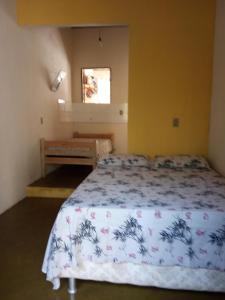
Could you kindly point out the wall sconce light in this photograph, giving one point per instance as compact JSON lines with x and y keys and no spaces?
{"x":58,"y":80}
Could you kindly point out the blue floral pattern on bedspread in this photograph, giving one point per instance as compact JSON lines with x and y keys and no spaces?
{"x":133,"y":214}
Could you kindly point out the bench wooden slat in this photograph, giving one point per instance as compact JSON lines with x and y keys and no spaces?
{"x":71,"y":152}
{"x":70,"y":161}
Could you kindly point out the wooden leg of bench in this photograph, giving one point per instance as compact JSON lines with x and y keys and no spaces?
{"x":43,"y":170}
{"x":42,"y":152}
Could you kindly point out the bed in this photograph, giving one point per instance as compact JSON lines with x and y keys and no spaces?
{"x":153,"y":225}
{"x":82,"y":149}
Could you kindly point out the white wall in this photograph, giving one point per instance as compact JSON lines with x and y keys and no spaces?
{"x":217,"y":122}
{"x":29,"y":59}
{"x":114,"y":54}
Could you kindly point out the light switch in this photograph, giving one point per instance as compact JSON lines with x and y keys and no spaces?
{"x":176,"y":122}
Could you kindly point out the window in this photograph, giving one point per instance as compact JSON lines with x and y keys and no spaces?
{"x":96,"y":85}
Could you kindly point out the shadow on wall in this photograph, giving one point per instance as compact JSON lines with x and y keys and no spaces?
{"x":9,"y":7}
{"x":67,"y":41}
{"x":64,"y":42}
{"x":46,"y":76}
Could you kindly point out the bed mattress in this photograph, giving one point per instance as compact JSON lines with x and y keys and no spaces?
{"x":163,"y":218}
{"x":175,"y":277}
{"x":103,"y":146}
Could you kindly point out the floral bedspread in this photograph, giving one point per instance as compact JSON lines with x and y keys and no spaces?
{"x":162,"y":217}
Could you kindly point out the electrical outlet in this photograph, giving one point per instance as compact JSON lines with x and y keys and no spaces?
{"x":176,"y":122}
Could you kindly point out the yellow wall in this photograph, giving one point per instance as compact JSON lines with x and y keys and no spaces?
{"x":170,"y":64}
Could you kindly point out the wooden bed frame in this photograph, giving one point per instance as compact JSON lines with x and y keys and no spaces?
{"x":94,"y":135}
{"x":71,"y":152}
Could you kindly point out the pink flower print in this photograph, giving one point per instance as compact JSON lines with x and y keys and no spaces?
{"x":200,"y":232}
{"x":78,"y":209}
{"x":108,"y":214}
{"x":109,"y":247}
{"x":105,"y":230}
{"x":144,"y":262}
{"x":132,"y":255}
{"x":93,"y":214}
{"x":66,"y":266}
{"x":205,"y":216}
{"x":150,"y":231}
{"x":123,"y":206}
{"x":180,"y":259}
{"x":158,"y":214}
{"x":203,"y":251}
{"x":220,"y":209}
{"x":139,"y":214}
{"x":155,"y":249}
{"x":188,"y":215}
{"x":68,"y":219}
{"x":90,"y":257}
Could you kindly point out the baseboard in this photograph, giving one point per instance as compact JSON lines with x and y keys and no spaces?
{"x":48,"y":192}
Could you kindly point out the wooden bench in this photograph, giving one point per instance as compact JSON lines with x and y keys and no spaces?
{"x":78,"y":151}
